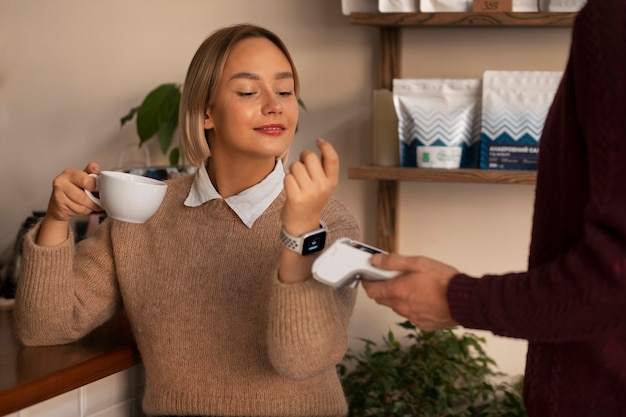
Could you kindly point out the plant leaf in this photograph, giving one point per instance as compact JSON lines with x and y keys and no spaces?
{"x":407,"y":325}
{"x":166,"y":134}
{"x":174,"y":156}
{"x":301,"y":103}
{"x":129,"y":116}
{"x":156,"y":109}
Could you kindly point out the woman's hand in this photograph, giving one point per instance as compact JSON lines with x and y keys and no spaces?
{"x":68,"y":200}
{"x":309,"y":184}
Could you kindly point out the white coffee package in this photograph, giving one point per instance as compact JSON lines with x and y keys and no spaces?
{"x":514,"y":108}
{"x":438,"y":121}
{"x":445,"y":5}
{"x":349,"y":6}
{"x":525,"y":6}
{"x":562,"y":5}
{"x":397,"y":6}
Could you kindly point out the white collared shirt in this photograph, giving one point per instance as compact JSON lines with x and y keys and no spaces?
{"x":248,"y":204}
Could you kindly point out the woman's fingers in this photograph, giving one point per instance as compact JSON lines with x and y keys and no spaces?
{"x":321,"y":172}
{"x":329,"y":160}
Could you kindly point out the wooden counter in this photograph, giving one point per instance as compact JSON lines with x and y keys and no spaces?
{"x":29,"y":375}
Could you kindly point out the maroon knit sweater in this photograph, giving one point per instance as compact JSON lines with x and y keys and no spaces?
{"x":571,"y":303}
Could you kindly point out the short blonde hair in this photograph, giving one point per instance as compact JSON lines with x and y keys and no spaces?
{"x":203,"y":79}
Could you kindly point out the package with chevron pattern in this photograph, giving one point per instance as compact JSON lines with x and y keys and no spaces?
{"x":438,"y":121}
{"x":561,"y":5}
{"x":445,"y":5}
{"x":430,"y":6}
{"x":514,"y":108}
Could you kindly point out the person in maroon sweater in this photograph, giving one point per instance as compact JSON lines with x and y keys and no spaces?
{"x":571,"y":302}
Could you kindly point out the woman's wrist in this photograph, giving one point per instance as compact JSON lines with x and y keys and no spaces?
{"x":52,"y":231}
{"x":294,"y":267}
{"x":300,"y":227}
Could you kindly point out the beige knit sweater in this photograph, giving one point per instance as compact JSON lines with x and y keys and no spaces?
{"x":218,"y":333}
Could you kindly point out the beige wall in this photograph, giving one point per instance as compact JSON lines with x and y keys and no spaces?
{"x":69,"y":69}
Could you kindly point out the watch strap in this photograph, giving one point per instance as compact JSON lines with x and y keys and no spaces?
{"x":296,"y":244}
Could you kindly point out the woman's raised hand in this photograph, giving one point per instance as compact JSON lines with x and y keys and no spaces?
{"x":308,"y":185}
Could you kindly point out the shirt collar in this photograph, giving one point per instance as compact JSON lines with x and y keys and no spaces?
{"x":248,"y":204}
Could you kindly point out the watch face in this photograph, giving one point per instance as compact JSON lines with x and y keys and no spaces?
{"x":314,"y":243}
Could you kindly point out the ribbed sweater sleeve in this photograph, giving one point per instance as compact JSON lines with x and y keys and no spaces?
{"x":575,"y":286}
{"x":320,"y":340}
{"x":60,"y":301}
{"x":308,"y":321}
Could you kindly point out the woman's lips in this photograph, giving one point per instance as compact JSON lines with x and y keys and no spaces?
{"x":273,"y":129}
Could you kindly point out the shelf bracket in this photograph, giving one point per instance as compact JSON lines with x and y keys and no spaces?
{"x":386,"y":221}
{"x":390,"y":57}
{"x":389,"y":68}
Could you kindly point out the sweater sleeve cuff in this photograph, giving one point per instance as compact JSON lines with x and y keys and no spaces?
{"x":38,"y":261}
{"x":463,"y":303}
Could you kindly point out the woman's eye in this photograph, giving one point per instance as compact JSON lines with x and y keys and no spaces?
{"x":285,"y":93}
{"x":244,"y":94}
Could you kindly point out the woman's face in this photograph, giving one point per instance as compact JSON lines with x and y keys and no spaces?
{"x":255,"y":111}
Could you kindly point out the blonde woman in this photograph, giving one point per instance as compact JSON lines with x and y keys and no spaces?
{"x":227,"y":318}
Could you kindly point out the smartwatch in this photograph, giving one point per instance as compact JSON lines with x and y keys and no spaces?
{"x":307,"y":243}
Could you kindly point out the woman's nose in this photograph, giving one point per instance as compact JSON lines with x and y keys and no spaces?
{"x":272,"y":104}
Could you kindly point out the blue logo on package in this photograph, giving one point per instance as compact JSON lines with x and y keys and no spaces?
{"x":438,"y":122}
{"x":514,"y":109}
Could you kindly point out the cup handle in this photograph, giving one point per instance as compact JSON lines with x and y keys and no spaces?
{"x":92,"y":197}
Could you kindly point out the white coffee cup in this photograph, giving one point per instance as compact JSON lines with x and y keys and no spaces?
{"x":128,"y":197}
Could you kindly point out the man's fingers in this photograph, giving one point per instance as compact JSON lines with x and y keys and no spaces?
{"x":377,"y":290}
{"x":396,"y":262}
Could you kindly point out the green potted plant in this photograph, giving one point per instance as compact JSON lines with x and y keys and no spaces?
{"x":437,"y":374}
{"x":158,"y":113}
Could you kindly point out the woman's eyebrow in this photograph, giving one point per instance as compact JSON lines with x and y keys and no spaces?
{"x":284,"y":75}
{"x":254,"y":76}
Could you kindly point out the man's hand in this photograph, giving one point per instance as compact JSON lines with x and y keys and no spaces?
{"x":419,"y":294}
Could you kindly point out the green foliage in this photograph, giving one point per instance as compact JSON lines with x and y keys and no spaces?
{"x":158,"y":113}
{"x":438,"y":374}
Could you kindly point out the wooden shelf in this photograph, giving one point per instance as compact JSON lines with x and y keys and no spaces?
{"x":387,"y":189}
{"x":390,"y":26}
{"x":536,"y":19}
{"x":380,"y":173}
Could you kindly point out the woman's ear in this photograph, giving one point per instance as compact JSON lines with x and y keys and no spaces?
{"x":208,"y":121}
